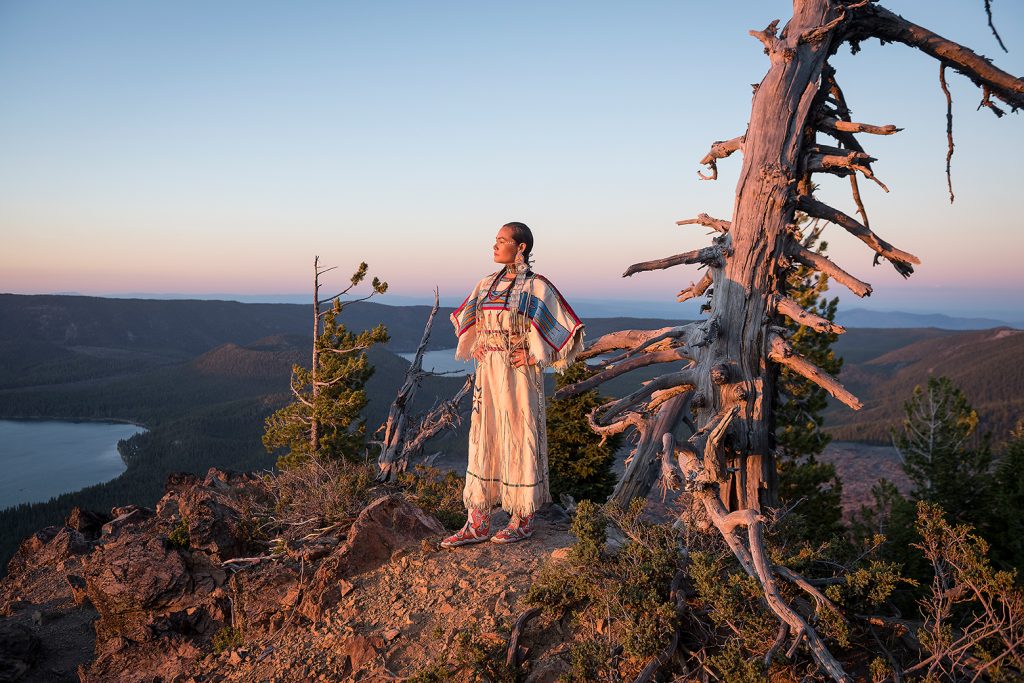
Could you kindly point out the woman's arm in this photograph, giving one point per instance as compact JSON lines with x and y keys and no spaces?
{"x":521,"y":357}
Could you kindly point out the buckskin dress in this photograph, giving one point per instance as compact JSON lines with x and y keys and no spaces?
{"x":507,"y":434}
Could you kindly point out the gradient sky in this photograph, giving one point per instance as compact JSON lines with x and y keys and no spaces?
{"x":197,"y":147}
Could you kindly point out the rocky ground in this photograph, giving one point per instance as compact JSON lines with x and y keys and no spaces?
{"x":168,"y":595}
{"x":860,"y":466}
{"x":180,"y":593}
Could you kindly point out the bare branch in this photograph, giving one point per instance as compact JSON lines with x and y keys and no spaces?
{"x":715,"y":430}
{"x":767,"y":36}
{"x":901,"y":260}
{"x":988,"y":12}
{"x":782,"y":353}
{"x":789,"y":307}
{"x":824,"y":265}
{"x":830,"y":123}
{"x":876,"y":21}
{"x":393,"y":457}
{"x":708,"y":255}
{"x":301,"y":398}
{"x":444,"y":416}
{"x":651,"y":358}
{"x":512,"y":654}
{"x":949,"y":128}
{"x":343,"y":304}
{"x":351,"y":349}
{"x":844,"y":163}
{"x":627,"y":420}
{"x":707,"y":221}
{"x":810,"y":589}
{"x":695,"y":290}
{"x":720,"y":149}
{"x":668,"y":479}
{"x":623,"y":339}
{"x":687,"y":376}
{"x":855,"y":191}
{"x":671,"y":336}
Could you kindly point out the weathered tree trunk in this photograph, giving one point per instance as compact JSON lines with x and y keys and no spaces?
{"x":735,"y":354}
{"x":644,"y":466}
{"x":759,"y":236}
{"x":397,"y":446}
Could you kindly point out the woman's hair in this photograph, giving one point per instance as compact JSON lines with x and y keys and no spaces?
{"x":522,"y":235}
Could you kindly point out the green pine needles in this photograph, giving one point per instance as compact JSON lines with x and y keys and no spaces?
{"x":799,"y":434}
{"x":324,"y":419}
{"x":579,"y":461}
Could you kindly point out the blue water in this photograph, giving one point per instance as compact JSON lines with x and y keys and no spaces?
{"x":444,"y":360}
{"x":41,"y":459}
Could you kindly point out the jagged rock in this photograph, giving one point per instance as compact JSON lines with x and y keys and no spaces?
{"x":261,"y":596}
{"x":126,"y":516}
{"x":19,"y":650}
{"x":384,"y":526}
{"x":30,"y":547}
{"x":142,"y":588}
{"x":215,"y":523}
{"x":49,"y":547}
{"x":215,"y":511}
{"x":86,"y":522}
{"x":176,"y":484}
{"x":78,"y":589}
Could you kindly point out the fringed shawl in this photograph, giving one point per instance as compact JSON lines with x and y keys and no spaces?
{"x":556,"y":333}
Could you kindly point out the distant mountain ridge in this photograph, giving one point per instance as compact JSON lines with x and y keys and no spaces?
{"x":861,"y":317}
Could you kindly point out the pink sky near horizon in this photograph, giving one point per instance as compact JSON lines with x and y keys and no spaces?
{"x":133,"y":167}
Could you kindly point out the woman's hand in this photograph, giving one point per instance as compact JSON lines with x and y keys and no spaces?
{"x":521,"y":358}
{"x":479,"y":352}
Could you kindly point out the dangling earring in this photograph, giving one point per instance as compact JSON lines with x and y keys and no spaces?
{"x":520,"y":262}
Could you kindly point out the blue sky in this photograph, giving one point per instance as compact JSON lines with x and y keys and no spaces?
{"x":195,"y":147}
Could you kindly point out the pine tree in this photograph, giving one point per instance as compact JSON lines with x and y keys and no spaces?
{"x":1008,"y":537}
{"x":579,"y":464}
{"x":799,"y":416}
{"x":325,"y":418}
{"x":948,"y":463}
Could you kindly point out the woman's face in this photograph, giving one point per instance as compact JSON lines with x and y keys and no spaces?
{"x":505,"y":247}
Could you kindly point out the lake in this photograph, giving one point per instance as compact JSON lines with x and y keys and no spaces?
{"x":41,"y":459}
{"x":444,"y":360}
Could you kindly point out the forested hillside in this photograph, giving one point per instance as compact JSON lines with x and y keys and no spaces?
{"x":986,"y":365}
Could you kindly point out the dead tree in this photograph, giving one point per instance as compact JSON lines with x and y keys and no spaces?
{"x":726,"y":365}
{"x":396,"y":447}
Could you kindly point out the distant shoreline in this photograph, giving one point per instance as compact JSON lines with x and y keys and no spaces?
{"x":105,"y":420}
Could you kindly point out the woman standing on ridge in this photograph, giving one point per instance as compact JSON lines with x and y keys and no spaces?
{"x":514,"y":323}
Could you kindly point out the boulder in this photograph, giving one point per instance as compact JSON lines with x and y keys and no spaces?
{"x":176,"y":484}
{"x":215,"y":523}
{"x":86,"y":522}
{"x":49,"y":547}
{"x":384,"y":526}
{"x":143,"y":587}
